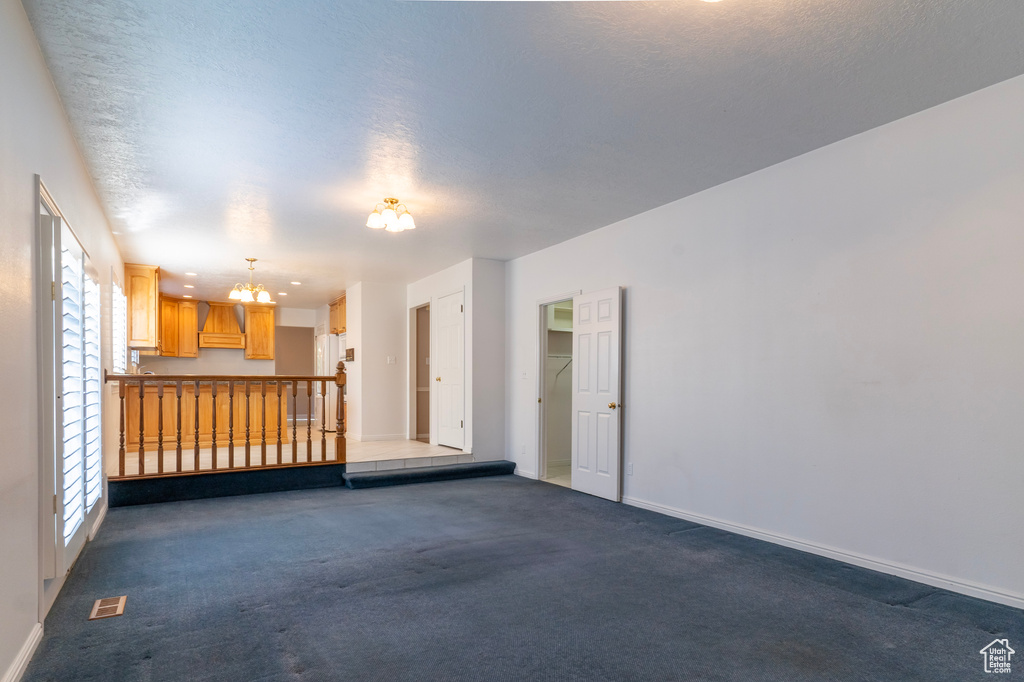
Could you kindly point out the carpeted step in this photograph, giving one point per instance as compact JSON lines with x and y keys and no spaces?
{"x":377,"y":479}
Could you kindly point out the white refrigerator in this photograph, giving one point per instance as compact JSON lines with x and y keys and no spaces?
{"x":330,"y":348}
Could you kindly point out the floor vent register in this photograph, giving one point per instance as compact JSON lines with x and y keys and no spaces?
{"x":108,"y":608}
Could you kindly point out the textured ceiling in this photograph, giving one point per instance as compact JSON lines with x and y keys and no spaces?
{"x":219,"y":129}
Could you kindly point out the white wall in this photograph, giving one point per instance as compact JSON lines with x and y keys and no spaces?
{"x":34,"y":138}
{"x":458,"y":277}
{"x":375,"y":327}
{"x":826,"y":353}
{"x":295,"y":317}
{"x":487,"y":385}
{"x":483,"y":284}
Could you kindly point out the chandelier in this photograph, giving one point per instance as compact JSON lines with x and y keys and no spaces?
{"x":392,"y":216}
{"x":248,"y":293}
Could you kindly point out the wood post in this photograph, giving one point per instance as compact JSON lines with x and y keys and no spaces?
{"x":339,"y":435}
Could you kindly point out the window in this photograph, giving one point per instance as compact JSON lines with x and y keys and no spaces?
{"x":80,"y":385}
{"x":70,"y":389}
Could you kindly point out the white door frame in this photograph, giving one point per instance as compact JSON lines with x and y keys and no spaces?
{"x":542,"y":351}
{"x":55,"y":561}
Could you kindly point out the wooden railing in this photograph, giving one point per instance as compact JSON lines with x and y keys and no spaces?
{"x":226,"y":422}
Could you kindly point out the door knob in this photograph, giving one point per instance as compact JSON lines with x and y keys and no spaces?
{"x":612,"y":405}
{"x":437,"y":379}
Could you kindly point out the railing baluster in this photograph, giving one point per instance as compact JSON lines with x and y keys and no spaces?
{"x":279,"y":414}
{"x":248,"y":463}
{"x":213,"y":426}
{"x":142,"y":427}
{"x":263,"y":423}
{"x":323,"y":421}
{"x":231,"y":425}
{"x":295,"y":423}
{"x":177,"y":449}
{"x":195,"y":466}
{"x":120,"y":449}
{"x":160,"y":427}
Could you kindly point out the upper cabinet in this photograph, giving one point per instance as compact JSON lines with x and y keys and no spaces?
{"x":179,"y":332}
{"x":259,"y":332}
{"x":142,"y":287}
{"x":188,"y":329}
{"x":338,"y":315}
{"x":168,"y":345}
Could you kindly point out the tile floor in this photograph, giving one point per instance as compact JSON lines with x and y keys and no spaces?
{"x":559,"y":474}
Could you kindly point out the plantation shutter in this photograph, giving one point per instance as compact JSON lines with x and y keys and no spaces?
{"x":93,"y":455}
{"x":72,"y":272}
{"x":81,"y":483}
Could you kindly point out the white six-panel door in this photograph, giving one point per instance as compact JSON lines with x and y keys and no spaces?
{"x":448,"y":364}
{"x":596,"y":335}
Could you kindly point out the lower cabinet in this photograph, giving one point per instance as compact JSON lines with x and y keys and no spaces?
{"x":228,"y":421}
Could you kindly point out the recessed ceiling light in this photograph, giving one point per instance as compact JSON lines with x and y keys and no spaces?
{"x":282,"y":293}
{"x":189,"y":286}
{"x":191,"y":274}
{"x":186,"y":296}
{"x":296,"y":283}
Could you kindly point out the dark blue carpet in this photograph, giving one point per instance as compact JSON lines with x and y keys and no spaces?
{"x":487,"y":579}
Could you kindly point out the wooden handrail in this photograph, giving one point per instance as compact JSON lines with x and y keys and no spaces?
{"x":222,"y":378}
{"x":205,"y":392}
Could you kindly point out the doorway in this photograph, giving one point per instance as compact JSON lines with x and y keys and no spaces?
{"x":422,"y":375}
{"x":556,"y":393}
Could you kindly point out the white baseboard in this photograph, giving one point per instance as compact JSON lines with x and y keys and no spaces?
{"x":101,"y":515}
{"x":386,"y":436}
{"x":967,"y":587}
{"x":525,"y":474}
{"x":17,"y":667}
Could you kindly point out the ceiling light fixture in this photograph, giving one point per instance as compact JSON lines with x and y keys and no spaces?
{"x":248,"y":293}
{"x":391,"y":216}
{"x":189,"y":286}
{"x":296,"y":283}
{"x":191,"y":274}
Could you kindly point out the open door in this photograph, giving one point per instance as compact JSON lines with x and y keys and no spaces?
{"x":449,"y":369}
{"x":596,"y":336}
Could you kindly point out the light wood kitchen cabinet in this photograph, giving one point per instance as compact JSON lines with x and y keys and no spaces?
{"x":230,"y":415}
{"x":142,"y":287}
{"x":168,"y":345}
{"x":337,"y":316}
{"x":259,"y":332}
{"x":188,"y":329}
{"x":179,"y":333}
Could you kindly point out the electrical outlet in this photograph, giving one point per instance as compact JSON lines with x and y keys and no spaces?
{"x":523,"y":450}
{"x":629,"y":469}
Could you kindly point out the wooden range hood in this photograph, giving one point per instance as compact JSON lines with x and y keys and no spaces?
{"x":221,"y":329}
